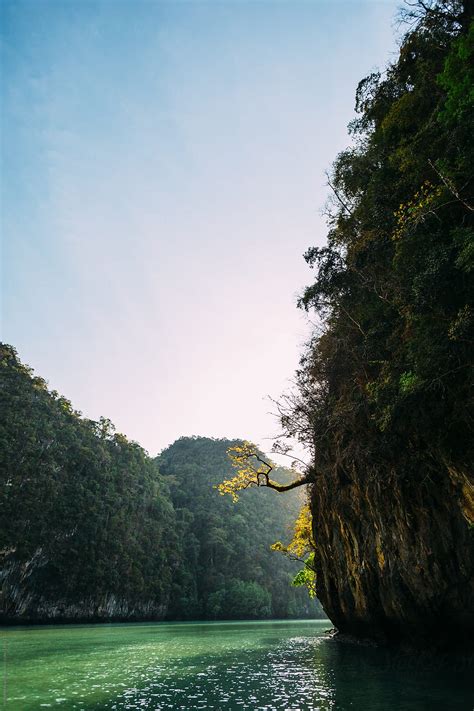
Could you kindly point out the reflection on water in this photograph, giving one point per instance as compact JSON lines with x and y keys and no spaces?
{"x":263,"y":665}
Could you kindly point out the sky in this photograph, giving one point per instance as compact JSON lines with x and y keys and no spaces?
{"x":163,"y":172}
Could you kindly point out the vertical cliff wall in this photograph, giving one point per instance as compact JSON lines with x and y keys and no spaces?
{"x":385,"y":398}
{"x":87,"y":529}
{"x":395,"y":561}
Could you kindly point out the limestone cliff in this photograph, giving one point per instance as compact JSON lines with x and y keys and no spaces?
{"x":385,"y":390}
{"x":395,"y":562}
{"x":23,"y":601}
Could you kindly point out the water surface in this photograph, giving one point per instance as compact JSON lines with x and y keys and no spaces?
{"x":290,"y":665}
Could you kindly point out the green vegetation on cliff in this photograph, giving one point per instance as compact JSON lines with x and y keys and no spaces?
{"x":385,"y":399}
{"x":229,"y":570}
{"x":86,"y":519}
{"x":394,"y":283}
{"x":93,"y":528}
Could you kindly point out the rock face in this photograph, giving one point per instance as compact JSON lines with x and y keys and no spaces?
{"x":395,"y":561}
{"x":21,"y":601}
{"x":106,"y":609}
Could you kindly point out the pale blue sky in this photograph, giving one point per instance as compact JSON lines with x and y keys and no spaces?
{"x":162,"y":174}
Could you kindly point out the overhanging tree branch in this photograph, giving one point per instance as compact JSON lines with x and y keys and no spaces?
{"x":254,"y":471}
{"x":287,"y":487}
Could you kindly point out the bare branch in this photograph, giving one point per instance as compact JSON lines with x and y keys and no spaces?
{"x":274,"y":484}
{"x":349,"y":212}
{"x":451,"y":187}
{"x":287,"y":487}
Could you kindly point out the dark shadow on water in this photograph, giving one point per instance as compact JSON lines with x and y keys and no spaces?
{"x":305,"y":673}
{"x":380,"y":678}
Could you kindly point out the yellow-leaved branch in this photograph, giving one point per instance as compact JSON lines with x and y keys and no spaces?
{"x":253,"y":470}
{"x":301,"y":548}
{"x":302,"y":542}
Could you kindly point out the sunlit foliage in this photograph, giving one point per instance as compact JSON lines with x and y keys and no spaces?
{"x":253,"y":470}
{"x":302,"y":542}
{"x":87,"y":519}
{"x":301,"y":548}
{"x":226,"y":543}
{"x":385,"y":384}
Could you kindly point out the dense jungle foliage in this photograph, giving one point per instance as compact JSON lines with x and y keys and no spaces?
{"x":229,"y":568}
{"x":84,"y":512}
{"x":86,"y":515}
{"x":386,"y":383}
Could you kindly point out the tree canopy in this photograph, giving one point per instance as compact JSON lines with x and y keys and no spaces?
{"x":225,"y":543}
{"x":85,"y":515}
{"x":92,"y":527}
{"x":386,"y":381}
{"x":253,"y":470}
{"x":384,"y":387}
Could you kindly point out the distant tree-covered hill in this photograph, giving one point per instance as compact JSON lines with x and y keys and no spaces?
{"x":87,"y":526}
{"x":91,"y":529}
{"x":228,"y":569}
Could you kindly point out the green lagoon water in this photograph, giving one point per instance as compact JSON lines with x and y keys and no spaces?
{"x":290,"y":665}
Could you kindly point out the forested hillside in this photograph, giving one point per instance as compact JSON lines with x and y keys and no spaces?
{"x":87,"y":527}
{"x":90,"y":528}
{"x":229,"y":570}
{"x":385,"y":399}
